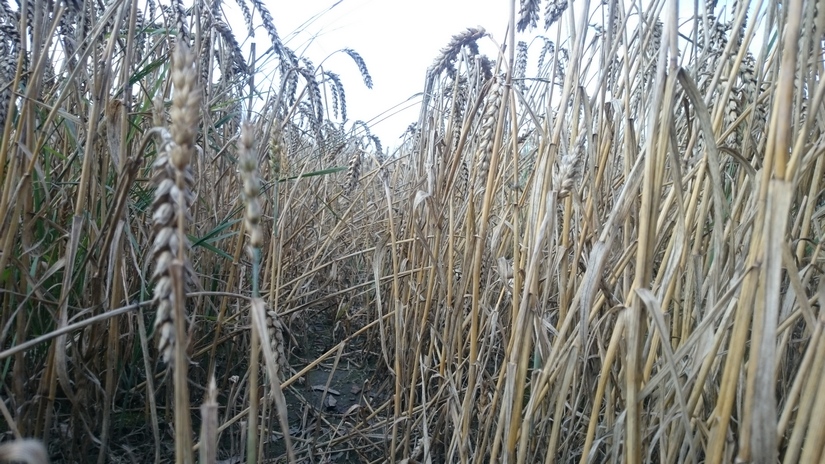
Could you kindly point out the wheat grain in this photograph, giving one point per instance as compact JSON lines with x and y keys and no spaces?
{"x":731,"y":114}
{"x":158,"y":115}
{"x":734,"y":11}
{"x":289,"y":77}
{"x":750,"y":95}
{"x":379,"y":149}
{"x":459,"y":104}
{"x":166,"y":245}
{"x":463,"y":180}
{"x":180,"y":18}
{"x":185,"y":107}
{"x":277,"y":155}
{"x":485,"y":68}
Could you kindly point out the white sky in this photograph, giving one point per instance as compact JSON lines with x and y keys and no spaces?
{"x":398,"y":39}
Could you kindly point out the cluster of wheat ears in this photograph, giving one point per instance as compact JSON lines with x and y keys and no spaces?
{"x":601,"y":245}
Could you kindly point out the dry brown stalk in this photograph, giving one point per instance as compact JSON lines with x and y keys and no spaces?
{"x":8,"y":69}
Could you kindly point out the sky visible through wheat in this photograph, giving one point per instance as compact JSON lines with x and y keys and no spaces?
{"x":398,"y":39}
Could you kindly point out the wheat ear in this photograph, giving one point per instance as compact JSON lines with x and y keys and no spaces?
{"x":173,"y":179}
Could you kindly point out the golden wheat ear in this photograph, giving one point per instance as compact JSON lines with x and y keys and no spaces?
{"x":174,"y":179}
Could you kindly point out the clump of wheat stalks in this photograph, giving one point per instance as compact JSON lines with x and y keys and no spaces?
{"x":173,"y":196}
{"x":248,"y":166}
{"x":651,"y":319}
{"x":62,"y":179}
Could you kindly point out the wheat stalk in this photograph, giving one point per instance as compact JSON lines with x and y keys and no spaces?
{"x":172,"y":201}
{"x":265,"y":325}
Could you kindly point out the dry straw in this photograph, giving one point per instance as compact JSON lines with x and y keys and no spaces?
{"x":653,"y":194}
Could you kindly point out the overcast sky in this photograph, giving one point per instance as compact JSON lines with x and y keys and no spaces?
{"x":398,"y":40}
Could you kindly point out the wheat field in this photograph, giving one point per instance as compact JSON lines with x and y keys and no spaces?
{"x":603,"y":243}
